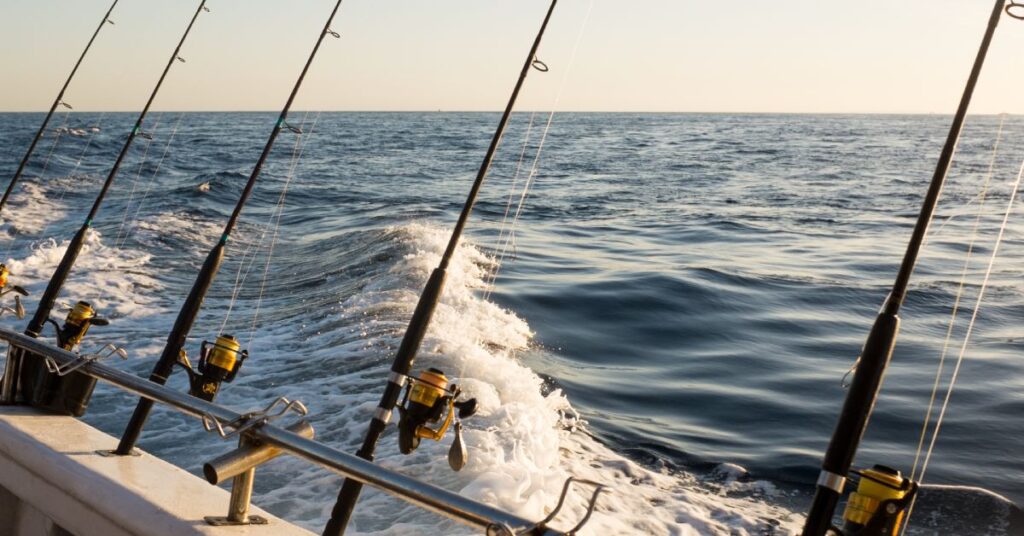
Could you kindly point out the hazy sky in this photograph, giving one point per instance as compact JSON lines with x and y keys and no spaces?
{"x":637,"y":55}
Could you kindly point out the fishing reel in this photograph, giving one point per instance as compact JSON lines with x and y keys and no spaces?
{"x":18,"y":309}
{"x":66,"y":392}
{"x":427,"y":400}
{"x":219,"y":362}
{"x":80,"y":318}
{"x":878,"y":506}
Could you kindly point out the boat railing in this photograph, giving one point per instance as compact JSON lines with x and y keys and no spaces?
{"x":260,"y":440}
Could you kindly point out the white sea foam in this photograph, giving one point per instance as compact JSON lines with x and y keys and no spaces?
{"x":31,"y":208}
{"x":116,"y":281}
{"x":523,"y":443}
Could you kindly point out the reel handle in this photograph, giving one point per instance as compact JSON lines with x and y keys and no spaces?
{"x":467,"y":408}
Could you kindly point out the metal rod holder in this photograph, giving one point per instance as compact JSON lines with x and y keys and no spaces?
{"x":249,"y":455}
{"x":241,"y":496}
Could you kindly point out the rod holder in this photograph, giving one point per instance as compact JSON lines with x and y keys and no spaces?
{"x":249,"y":455}
{"x":241,"y":496}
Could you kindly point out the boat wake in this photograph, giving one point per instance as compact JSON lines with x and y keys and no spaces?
{"x":526,"y":439}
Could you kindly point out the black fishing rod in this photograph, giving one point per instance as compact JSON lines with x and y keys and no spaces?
{"x":881,"y":340}
{"x":190,"y":309}
{"x":417,"y":328}
{"x":32,"y":371}
{"x":59,"y":101}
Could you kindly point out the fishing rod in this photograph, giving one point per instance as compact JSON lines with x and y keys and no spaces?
{"x":883,"y":494}
{"x":427,"y":396}
{"x":39,"y":386}
{"x":59,"y":101}
{"x":220,"y":360}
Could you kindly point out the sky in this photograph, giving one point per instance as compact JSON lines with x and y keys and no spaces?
{"x":792,"y":56}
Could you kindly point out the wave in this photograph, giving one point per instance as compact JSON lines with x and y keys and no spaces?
{"x":118,"y":282}
{"x":526,"y":438}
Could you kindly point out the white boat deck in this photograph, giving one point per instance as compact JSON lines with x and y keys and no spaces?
{"x":54,"y":483}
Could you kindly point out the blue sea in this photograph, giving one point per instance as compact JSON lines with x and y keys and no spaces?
{"x":670,"y":310}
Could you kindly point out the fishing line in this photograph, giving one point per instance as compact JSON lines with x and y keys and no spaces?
{"x":492,"y":271}
{"x":952,"y":216}
{"x":535,"y":166}
{"x":88,"y":144}
{"x":138,"y":175}
{"x":982,"y":197}
{"x":530,"y":179}
{"x":81,"y":157}
{"x":133,"y":222}
{"x":970,"y":329}
{"x":430,"y":394}
{"x":296,"y":157}
{"x":248,"y":261}
{"x":959,"y":295}
{"x":58,"y":133}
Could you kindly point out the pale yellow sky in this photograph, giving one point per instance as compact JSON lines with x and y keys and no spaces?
{"x":643,"y":55}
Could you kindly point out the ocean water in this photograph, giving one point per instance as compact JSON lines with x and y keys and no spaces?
{"x":673,"y":315}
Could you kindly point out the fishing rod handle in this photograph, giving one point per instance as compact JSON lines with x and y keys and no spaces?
{"x":853,"y":422}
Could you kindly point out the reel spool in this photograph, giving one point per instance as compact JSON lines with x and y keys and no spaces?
{"x":427,"y":400}
{"x":219,"y":362}
{"x":67,"y":394}
{"x":878,"y":506}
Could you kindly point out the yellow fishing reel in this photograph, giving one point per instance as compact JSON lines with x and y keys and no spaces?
{"x":429,"y":399}
{"x":878,"y":506}
{"x":19,"y":309}
{"x":66,"y":393}
{"x":77,"y":323}
{"x":80,"y":318}
{"x":219,"y":362}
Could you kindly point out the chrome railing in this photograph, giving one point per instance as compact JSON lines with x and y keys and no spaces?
{"x":256,"y":428}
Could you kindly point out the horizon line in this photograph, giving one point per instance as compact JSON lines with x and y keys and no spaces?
{"x":520,"y":111}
